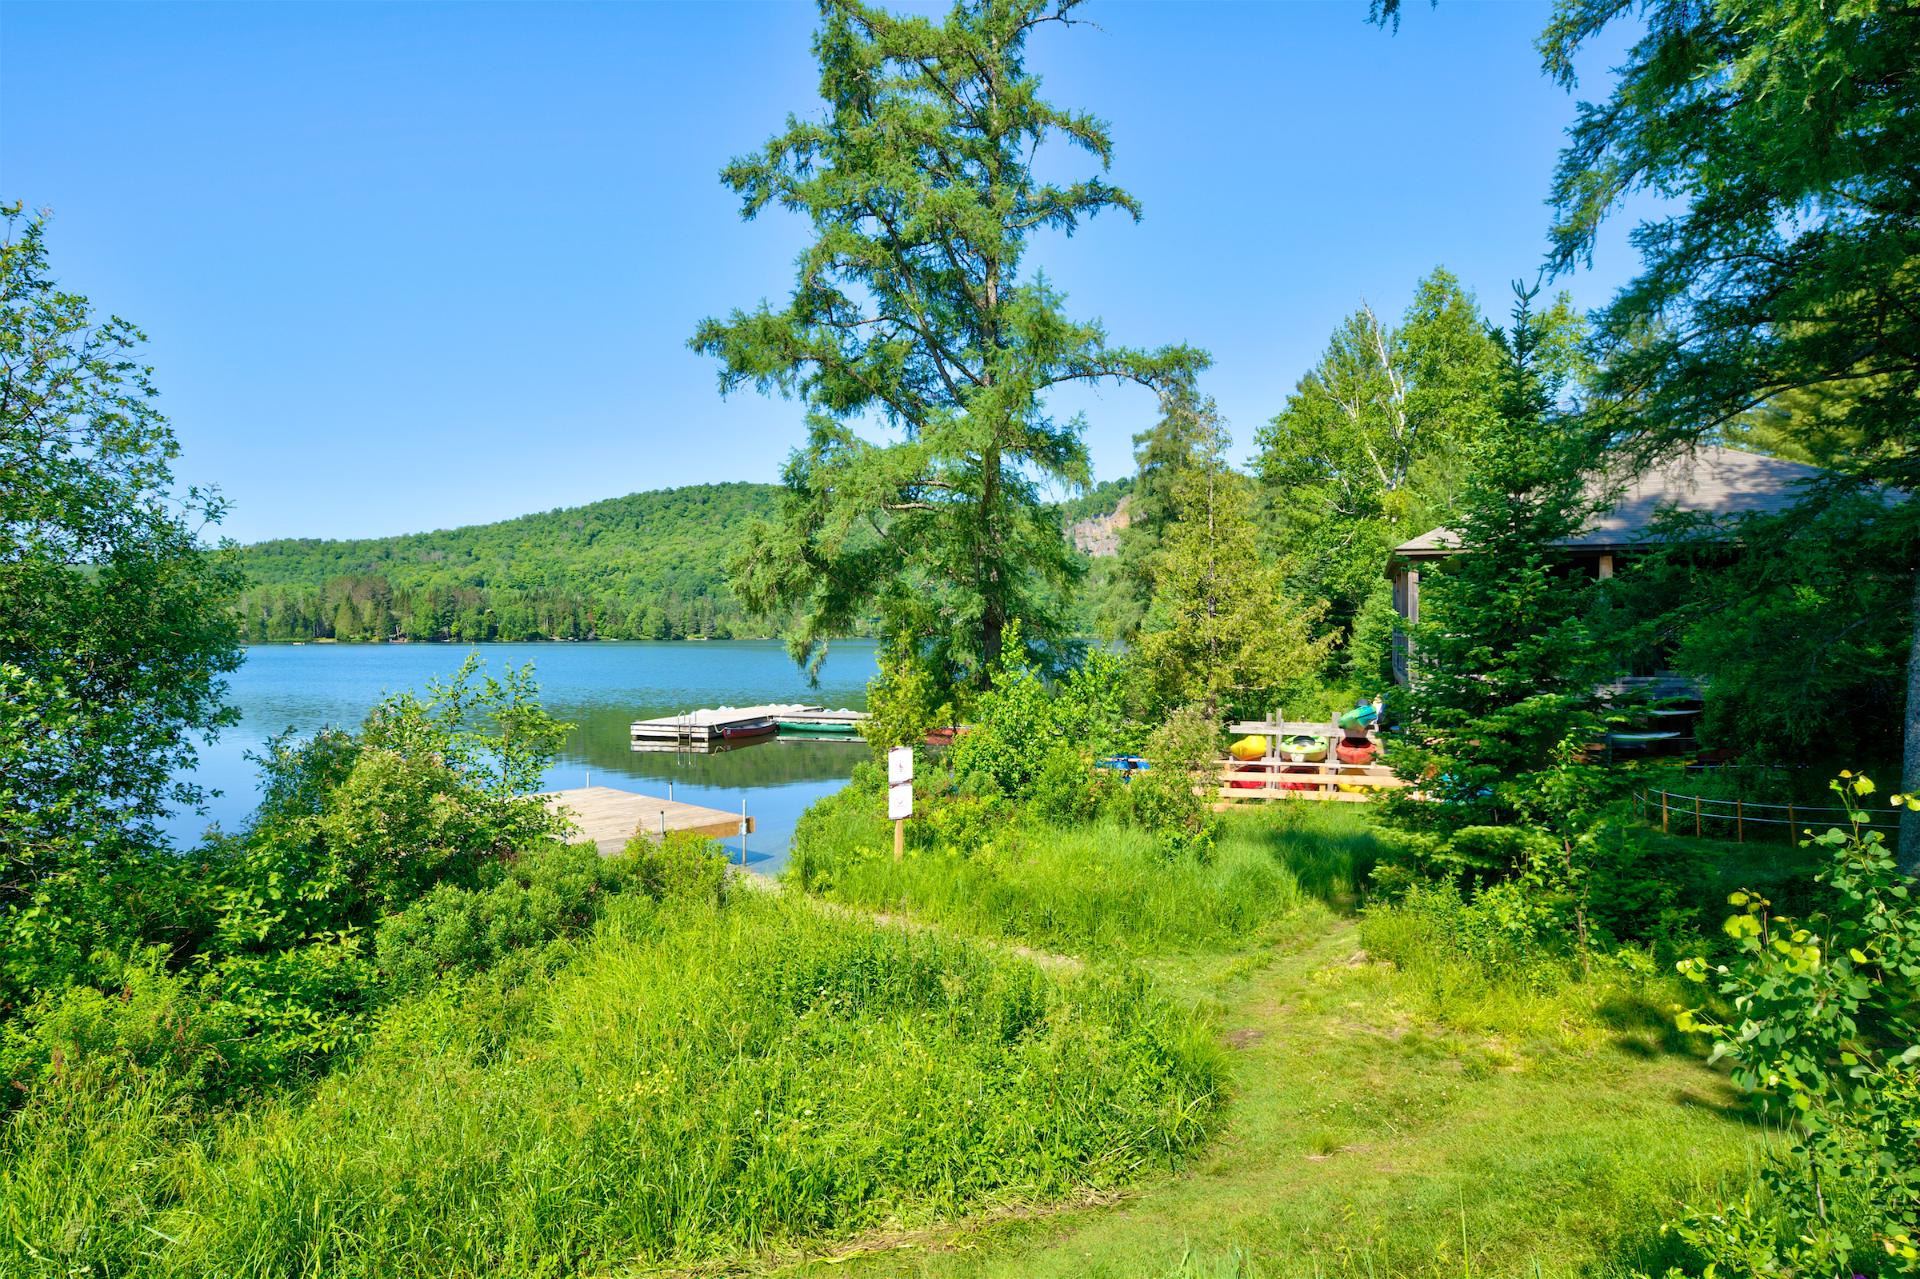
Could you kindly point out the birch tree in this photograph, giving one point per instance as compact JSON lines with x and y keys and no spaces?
{"x":1365,"y":452}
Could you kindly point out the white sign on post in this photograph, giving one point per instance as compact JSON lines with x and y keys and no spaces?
{"x":899,"y":765}
{"x":900,"y":802}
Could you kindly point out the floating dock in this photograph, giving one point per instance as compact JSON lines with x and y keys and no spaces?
{"x":611,"y":817}
{"x":695,"y":730}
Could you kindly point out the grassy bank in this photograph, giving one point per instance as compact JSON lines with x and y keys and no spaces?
{"x":1401,"y":1113}
{"x":694,"y":1082}
{"x":1366,"y":1136}
{"x":1096,"y":889}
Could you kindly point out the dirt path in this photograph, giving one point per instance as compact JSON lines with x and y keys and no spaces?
{"x":1365,"y":1136}
{"x":1053,"y":961}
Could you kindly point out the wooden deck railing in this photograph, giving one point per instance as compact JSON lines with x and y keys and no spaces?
{"x":1701,"y":816}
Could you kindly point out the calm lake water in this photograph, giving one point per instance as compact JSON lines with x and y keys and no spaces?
{"x":600,"y":688}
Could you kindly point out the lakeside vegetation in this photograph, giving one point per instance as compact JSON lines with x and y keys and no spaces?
{"x":692,"y":1078}
{"x":1085,"y":1025}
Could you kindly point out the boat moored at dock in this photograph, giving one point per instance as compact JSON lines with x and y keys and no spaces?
{"x":707,"y":727}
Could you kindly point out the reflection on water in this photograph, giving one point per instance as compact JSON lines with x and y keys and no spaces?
{"x":599,"y":688}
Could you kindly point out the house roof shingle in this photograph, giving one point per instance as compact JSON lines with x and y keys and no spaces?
{"x":1709,"y":480}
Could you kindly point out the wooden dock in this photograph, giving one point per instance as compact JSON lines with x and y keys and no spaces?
{"x":611,"y":817}
{"x":698,"y":729}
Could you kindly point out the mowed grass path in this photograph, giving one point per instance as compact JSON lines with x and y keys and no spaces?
{"x":1376,"y":1127}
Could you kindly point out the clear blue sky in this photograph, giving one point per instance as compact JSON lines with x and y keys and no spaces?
{"x":411,"y":266}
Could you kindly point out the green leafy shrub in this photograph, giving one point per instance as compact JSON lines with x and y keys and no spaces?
{"x":1824,"y":1031}
{"x":1024,"y":720}
{"x":1068,"y":788}
{"x":545,"y":894}
{"x":354,"y":827}
{"x":299,"y":1005}
{"x":141,"y":1022}
{"x":248,"y":963}
{"x":905,"y":700}
{"x":1174,"y":797}
{"x":682,"y":867}
{"x":1504,"y":932}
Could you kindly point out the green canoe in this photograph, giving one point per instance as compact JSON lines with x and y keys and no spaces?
{"x":821,"y":727}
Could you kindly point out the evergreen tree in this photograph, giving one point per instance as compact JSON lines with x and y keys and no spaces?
{"x":1783,"y":143}
{"x":1223,"y":633}
{"x":911,"y":306}
{"x":1503,"y":706}
{"x":1177,"y":442}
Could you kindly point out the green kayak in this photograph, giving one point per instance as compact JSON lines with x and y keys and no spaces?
{"x":819,"y":727}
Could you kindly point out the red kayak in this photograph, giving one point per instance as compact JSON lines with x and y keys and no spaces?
{"x":753,"y":728}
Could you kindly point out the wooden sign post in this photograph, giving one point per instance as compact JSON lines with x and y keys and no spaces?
{"x":900,"y":795}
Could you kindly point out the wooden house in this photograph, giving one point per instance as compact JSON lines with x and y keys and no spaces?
{"x":1710,"y":480}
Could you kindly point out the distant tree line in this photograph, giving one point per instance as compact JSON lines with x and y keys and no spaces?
{"x":367,"y":608}
{"x":644,"y":566}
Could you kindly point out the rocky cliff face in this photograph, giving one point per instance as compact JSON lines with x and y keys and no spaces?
{"x":1099,"y":535}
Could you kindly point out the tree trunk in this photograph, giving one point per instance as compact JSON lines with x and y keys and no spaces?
{"x":1910,"y":763}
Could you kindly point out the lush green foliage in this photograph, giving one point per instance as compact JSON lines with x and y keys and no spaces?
{"x":698,"y":1079}
{"x":1223,"y":632}
{"x":113,"y":631}
{"x":1783,"y":270}
{"x":1118,"y":592}
{"x":1822,"y":1029}
{"x":910,"y":304}
{"x":1502,"y":709}
{"x":1090,"y":887}
{"x":1027,"y":723}
{"x":247,"y":963}
{"x":644,"y":566}
{"x":1368,"y":450}
{"x":1801,"y":640}
{"x":905,"y":699}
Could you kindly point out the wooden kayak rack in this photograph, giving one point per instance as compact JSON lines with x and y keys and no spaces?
{"x":1274,"y":776}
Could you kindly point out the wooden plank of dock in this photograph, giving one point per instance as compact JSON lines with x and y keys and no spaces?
{"x":611,"y":817}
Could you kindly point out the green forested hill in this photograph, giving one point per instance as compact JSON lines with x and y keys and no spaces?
{"x":644,"y":566}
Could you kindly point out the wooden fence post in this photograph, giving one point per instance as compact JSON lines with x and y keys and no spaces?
{"x":1663,"y":812}
{"x":1739,"y":822}
{"x":1793,"y":834}
{"x":1696,"y":817}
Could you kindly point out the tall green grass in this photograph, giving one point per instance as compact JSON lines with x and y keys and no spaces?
{"x":695,"y":1081}
{"x":1102,"y":888}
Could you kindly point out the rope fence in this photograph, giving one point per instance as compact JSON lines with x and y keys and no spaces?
{"x":1673,"y":810}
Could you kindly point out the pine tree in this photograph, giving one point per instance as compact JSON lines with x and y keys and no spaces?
{"x":1176,"y":442}
{"x":1223,"y":633}
{"x":1505,"y":664}
{"x":911,"y":306}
